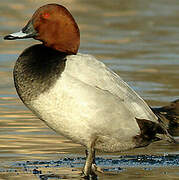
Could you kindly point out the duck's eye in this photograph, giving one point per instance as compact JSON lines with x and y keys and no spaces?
{"x":46,"y":15}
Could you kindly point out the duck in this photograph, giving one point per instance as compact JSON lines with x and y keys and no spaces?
{"x":169,"y":115}
{"x":77,"y":95}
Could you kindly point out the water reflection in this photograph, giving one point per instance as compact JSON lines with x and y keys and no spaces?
{"x":138,"y":39}
{"x":143,"y":166}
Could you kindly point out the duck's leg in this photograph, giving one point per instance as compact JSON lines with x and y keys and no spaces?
{"x":88,"y":172}
{"x":95,"y":168}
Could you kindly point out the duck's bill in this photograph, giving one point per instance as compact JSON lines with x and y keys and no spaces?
{"x":18,"y":35}
{"x":27,"y":32}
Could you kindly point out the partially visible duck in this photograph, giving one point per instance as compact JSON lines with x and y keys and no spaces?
{"x":169,"y":115}
{"x":75,"y":94}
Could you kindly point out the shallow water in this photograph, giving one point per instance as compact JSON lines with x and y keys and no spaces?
{"x":137,"y":39}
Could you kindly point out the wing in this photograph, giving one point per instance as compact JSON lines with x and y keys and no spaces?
{"x":95,"y":73}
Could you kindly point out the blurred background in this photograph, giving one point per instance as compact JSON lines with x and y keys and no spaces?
{"x":138,"y":39}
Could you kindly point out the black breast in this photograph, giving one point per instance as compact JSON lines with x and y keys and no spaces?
{"x":36,"y":70}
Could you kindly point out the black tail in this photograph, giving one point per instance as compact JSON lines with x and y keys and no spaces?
{"x":151,"y":131}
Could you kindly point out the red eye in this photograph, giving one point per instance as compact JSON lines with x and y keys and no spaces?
{"x":46,"y":15}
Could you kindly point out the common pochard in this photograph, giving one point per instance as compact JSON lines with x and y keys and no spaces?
{"x":77,"y":95}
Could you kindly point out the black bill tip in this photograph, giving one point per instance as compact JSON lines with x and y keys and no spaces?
{"x":9,"y":37}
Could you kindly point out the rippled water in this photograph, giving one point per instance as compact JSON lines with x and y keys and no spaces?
{"x":137,"y":39}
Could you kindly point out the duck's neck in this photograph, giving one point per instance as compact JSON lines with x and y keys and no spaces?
{"x":36,"y":70}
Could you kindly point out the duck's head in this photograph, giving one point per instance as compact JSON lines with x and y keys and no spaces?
{"x":53,"y":25}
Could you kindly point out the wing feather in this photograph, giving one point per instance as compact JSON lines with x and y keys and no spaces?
{"x":95,"y":73}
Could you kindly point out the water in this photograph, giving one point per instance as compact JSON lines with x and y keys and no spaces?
{"x":137,"y":39}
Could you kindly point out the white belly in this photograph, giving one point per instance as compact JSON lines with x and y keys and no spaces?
{"x":82,"y":114}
